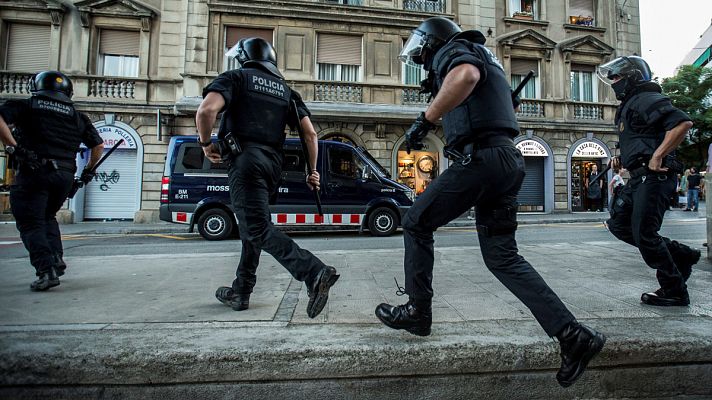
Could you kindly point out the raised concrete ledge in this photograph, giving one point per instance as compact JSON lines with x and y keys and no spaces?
{"x":643,"y":358}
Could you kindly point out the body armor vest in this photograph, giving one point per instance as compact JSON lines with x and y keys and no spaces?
{"x":638,"y":137}
{"x":489,"y":106}
{"x":259,"y":112}
{"x":53,"y":129}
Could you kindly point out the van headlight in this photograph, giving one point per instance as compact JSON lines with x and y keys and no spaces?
{"x":411,"y":194}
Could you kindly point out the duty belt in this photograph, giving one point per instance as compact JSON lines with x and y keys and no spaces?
{"x":641,"y":171}
{"x":465,"y":156}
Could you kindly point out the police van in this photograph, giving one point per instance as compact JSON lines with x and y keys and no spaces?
{"x":356,"y":191}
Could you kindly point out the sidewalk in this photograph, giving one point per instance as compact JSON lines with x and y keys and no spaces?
{"x":149,"y":327}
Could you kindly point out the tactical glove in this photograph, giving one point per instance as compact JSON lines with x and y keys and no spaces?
{"x":416,"y":133}
{"x":87,"y":176}
{"x":25,"y":157}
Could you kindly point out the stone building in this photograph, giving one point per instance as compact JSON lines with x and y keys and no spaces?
{"x":138,"y":68}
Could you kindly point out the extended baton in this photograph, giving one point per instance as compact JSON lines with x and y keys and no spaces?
{"x":521,"y":85}
{"x":305,"y":152}
{"x":600,"y":175}
{"x":78,"y":184}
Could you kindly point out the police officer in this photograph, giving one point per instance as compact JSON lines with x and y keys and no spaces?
{"x":257,"y":105}
{"x":474,"y":100}
{"x":49,"y":131}
{"x":650,"y":130}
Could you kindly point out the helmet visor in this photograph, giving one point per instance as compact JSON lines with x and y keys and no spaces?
{"x":413,"y":49}
{"x":614,"y":70}
{"x":232,"y":53}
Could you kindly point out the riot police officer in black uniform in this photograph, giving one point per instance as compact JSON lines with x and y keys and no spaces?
{"x":257,"y":106}
{"x":474,"y":100}
{"x":49,"y":131}
{"x":650,"y":130}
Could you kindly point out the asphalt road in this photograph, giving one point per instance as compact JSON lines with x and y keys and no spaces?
{"x":690,"y":231}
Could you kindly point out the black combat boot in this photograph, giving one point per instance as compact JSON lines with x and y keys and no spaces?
{"x":61,"y":265}
{"x":318,"y":290}
{"x":238,"y":301}
{"x":46,"y":280}
{"x":415,"y":319}
{"x":666,"y":298}
{"x":579,"y":344}
{"x":685,"y":262}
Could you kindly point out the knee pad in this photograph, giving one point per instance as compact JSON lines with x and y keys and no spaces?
{"x":497,"y":221}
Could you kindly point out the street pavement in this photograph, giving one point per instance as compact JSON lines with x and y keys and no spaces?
{"x":148,"y":326}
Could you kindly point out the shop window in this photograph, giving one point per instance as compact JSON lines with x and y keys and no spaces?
{"x":339,"y":57}
{"x":343,"y":162}
{"x":583,"y":83}
{"x":27,"y":48}
{"x":233,"y":35}
{"x":118,"y":53}
{"x":581,"y":12}
{"x":417,"y":169}
{"x":524,"y":9}
{"x":520,"y":69}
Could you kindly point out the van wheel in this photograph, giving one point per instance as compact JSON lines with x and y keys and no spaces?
{"x":382,"y":222}
{"x":215,"y":224}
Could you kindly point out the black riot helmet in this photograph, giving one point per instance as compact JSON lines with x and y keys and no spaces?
{"x":624,"y":73}
{"x":255,"y":52}
{"x":427,"y":39}
{"x":52,"y":84}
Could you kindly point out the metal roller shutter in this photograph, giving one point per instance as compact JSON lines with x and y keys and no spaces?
{"x":122,"y":43}
{"x":234,"y":34}
{"x":532,"y":191}
{"x":338,"y":49}
{"x":583,"y":8}
{"x":112,"y":194}
{"x":28,"y":47}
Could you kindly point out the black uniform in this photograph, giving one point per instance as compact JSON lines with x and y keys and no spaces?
{"x":257,"y":110}
{"x":53,"y":130}
{"x":643,"y":118}
{"x":482,"y":128}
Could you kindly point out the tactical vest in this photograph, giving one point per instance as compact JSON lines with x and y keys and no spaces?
{"x":259,"y":112}
{"x":640,"y":129}
{"x":489,"y":106}
{"x":53,"y":129}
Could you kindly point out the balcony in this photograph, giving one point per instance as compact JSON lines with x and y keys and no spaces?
{"x":587,"y":111}
{"x":412,"y":96}
{"x":531,"y":108}
{"x":12,"y":83}
{"x":433,"y":6}
{"x":344,"y":2}
{"x":338,"y":92}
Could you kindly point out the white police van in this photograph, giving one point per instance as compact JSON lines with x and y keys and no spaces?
{"x":356,"y":191}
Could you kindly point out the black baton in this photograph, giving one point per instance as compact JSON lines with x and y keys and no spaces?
{"x":600,"y":175}
{"x":521,"y":85}
{"x":305,"y":152}
{"x":79,"y":184}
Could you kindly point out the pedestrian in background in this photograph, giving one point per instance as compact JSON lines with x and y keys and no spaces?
{"x":473,"y":97}
{"x":51,"y":131}
{"x":615,"y":185}
{"x":594,"y":191}
{"x":683,"y":188}
{"x":258,"y":104}
{"x":693,"y":190}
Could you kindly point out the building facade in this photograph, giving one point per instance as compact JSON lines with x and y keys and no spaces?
{"x":139,"y":67}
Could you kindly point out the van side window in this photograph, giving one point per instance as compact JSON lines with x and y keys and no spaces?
{"x":190,"y":158}
{"x":343,"y":162}
{"x":293,"y":167}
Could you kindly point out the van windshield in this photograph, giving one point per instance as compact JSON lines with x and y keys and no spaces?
{"x":379,"y":167}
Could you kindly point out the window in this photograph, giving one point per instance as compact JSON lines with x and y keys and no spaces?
{"x":27,"y":47}
{"x":118,"y":53}
{"x":293,"y":169}
{"x":520,"y":69}
{"x":583,"y":83}
{"x":234,"y":34}
{"x":524,"y":9}
{"x":581,"y":12}
{"x":344,"y":162}
{"x":338,"y":57}
{"x":191,"y":158}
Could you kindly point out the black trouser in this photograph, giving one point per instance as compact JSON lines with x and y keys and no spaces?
{"x":35,"y":198}
{"x":253,"y":176}
{"x":636,"y":217}
{"x":490,"y":183}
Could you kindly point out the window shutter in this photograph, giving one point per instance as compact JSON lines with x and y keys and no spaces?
{"x":338,"y":49}
{"x":583,"y":8}
{"x":120,"y":43}
{"x":28,"y":47}
{"x":234,"y":34}
{"x":522,"y":67}
{"x":583,"y":68}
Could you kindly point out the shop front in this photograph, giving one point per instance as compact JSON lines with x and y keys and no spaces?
{"x":537,"y":161}
{"x":587,"y":159}
{"x":115,"y":192}
{"x":417,"y":169}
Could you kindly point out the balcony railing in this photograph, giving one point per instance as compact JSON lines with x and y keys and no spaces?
{"x":588,"y":111}
{"x":345,"y":2}
{"x":112,"y":88}
{"x":338,"y":92}
{"x":15,"y":83}
{"x":531,"y":108}
{"x":437,"y":6}
{"x":412,"y":96}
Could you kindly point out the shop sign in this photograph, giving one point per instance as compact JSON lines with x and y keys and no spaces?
{"x":532,"y":148}
{"x":112,"y":134}
{"x":589,"y":150}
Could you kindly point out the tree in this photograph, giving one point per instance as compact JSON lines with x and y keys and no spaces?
{"x":690,"y":90}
